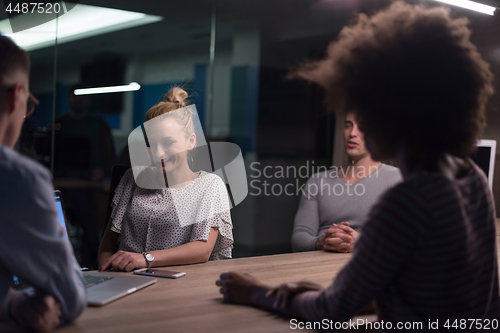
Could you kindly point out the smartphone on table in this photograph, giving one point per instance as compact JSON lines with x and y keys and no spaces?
{"x":159,"y":273}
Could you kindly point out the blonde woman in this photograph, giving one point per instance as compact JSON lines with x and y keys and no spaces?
{"x":148,"y":226}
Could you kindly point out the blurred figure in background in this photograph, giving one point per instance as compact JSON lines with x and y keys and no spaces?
{"x":84,"y":150}
{"x":84,"y":144}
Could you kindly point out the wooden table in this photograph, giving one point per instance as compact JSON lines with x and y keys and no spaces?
{"x":193,"y":303}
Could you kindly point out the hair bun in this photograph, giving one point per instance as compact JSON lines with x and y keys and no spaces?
{"x":176,"y":95}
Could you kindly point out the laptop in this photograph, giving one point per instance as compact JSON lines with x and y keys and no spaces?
{"x":103,"y":288}
{"x":484,"y":157}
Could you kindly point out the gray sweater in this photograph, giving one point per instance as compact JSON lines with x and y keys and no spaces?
{"x":326,"y":199}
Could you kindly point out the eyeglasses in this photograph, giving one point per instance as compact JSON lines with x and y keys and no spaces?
{"x":31,"y":105}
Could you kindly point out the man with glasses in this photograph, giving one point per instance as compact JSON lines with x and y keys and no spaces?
{"x":32,"y":104}
{"x":32,"y":245}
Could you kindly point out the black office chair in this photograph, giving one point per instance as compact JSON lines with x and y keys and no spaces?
{"x":117,"y":172}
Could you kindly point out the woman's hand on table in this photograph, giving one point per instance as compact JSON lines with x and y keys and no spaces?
{"x":237,"y":287}
{"x":286,"y":291}
{"x":124,"y":261}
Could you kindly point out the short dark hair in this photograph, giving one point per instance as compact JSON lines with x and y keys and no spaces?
{"x":412,"y":76}
{"x":12,"y":58}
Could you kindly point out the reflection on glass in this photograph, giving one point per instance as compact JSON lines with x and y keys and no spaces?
{"x":238,"y":84}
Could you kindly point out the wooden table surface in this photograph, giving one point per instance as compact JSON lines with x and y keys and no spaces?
{"x":193,"y":303}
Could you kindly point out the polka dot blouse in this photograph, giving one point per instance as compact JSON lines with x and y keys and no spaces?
{"x":149,"y":220}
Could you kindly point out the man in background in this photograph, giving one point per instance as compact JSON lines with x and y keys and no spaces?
{"x":84,"y":151}
{"x":336,"y":202}
{"x":83,"y":141}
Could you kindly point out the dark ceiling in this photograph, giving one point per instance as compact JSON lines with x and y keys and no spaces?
{"x":187,"y":24}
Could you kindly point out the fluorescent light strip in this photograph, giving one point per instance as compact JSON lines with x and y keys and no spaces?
{"x":81,"y":22}
{"x":133,"y":86}
{"x":478,"y":7}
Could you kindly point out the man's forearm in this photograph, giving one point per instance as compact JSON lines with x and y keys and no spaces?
{"x":320,"y":243}
{"x":303,"y":241}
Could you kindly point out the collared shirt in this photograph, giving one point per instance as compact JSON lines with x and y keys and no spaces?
{"x":32,"y":244}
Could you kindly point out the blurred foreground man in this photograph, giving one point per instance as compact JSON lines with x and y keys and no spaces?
{"x":33,"y":246}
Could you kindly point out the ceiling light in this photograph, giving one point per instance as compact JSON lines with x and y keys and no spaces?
{"x":478,"y":7}
{"x":82,"y":21}
{"x":133,"y":86}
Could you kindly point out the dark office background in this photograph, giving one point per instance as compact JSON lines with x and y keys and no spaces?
{"x":237,"y":81}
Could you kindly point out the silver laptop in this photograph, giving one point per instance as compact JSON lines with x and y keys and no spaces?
{"x":484,"y":157}
{"x":103,"y":288}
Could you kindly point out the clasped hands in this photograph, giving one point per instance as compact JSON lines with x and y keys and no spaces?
{"x":338,"y":238}
{"x":238,"y":287}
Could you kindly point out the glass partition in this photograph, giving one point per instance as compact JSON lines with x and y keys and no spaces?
{"x":232,"y":57}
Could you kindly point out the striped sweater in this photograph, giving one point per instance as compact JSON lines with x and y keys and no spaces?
{"x":427,"y":251}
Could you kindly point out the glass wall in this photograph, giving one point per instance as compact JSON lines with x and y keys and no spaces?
{"x":232,"y":57}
